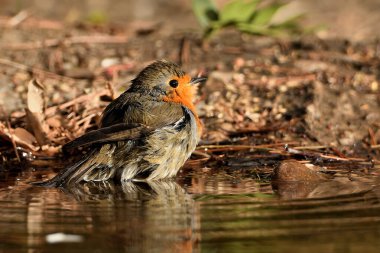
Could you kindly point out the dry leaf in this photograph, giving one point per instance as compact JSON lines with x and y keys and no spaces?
{"x":35,"y":123}
{"x":24,"y":136}
{"x":20,"y":136}
{"x":35,"y":97}
{"x":35,"y":111}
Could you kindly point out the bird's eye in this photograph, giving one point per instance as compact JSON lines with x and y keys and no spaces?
{"x":173,"y":83}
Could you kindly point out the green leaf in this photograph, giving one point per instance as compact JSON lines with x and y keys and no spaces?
{"x":264,"y":16}
{"x":253,"y":29}
{"x":237,"y":11}
{"x":97,"y":17}
{"x":205,"y":12}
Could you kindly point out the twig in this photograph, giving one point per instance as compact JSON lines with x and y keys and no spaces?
{"x":13,"y":140}
{"x":215,"y":148}
{"x":203,"y":154}
{"x":338,"y":152}
{"x":372,"y":136}
{"x":34,"y":70}
{"x":85,"y":120}
{"x":294,"y":151}
{"x":18,"y":18}
{"x":310,"y":147}
{"x":184,"y":51}
{"x":90,"y":39}
{"x":80,"y":99}
{"x":196,"y":162}
{"x":111,"y":90}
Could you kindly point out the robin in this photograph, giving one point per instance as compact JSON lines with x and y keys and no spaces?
{"x":147,"y":133}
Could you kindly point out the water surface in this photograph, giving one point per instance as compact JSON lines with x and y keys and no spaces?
{"x":200,"y":211}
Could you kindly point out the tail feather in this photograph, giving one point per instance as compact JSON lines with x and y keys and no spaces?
{"x":72,"y":174}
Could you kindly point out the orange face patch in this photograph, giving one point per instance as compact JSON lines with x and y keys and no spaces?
{"x":184,"y":95}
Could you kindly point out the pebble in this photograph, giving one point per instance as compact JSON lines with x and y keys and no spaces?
{"x":292,"y":170}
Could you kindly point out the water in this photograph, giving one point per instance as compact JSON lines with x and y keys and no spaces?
{"x":204,"y":211}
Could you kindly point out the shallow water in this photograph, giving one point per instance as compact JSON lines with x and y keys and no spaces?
{"x":198,"y":212}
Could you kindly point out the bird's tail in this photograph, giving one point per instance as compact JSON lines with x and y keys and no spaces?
{"x":72,"y":174}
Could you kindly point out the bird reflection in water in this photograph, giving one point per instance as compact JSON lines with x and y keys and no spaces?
{"x":146,"y":217}
{"x":133,"y":217}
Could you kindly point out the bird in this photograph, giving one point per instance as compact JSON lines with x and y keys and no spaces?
{"x":145,"y":134}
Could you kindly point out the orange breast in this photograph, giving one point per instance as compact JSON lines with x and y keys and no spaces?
{"x":184,"y":95}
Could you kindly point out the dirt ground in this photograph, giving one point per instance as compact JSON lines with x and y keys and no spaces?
{"x":298,"y":98}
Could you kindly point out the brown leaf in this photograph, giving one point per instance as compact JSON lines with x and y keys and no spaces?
{"x":20,"y":136}
{"x":35,"y":123}
{"x":25,"y":139}
{"x":35,"y":97}
{"x":35,"y":111}
{"x":23,"y":135}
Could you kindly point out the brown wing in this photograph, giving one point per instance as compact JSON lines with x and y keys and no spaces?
{"x":117,"y":132}
{"x":131,"y":107}
{"x":129,"y":117}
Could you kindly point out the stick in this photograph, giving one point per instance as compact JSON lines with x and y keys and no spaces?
{"x":90,"y":39}
{"x":80,"y":99}
{"x":111,"y":90}
{"x":18,"y":18}
{"x":184,"y":51}
{"x":34,"y":70}
{"x":13,"y":141}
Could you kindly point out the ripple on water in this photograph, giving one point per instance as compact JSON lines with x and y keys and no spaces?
{"x":199,"y":212}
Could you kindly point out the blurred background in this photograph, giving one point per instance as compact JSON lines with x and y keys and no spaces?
{"x":351,"y":19}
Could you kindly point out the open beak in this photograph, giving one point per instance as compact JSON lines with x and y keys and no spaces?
{"x":196,"y":80}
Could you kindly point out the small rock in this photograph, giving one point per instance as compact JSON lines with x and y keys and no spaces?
{"x":108,"y":62}
{"x":374,"y":86}
{"x":239,"y":63}
{"x":293,"y":170}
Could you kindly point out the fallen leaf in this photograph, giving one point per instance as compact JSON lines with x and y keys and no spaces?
{"x":24,"y":136}
{"x":35,"y":111}
{"x":20,"y":136}
{"x":35,"y":97}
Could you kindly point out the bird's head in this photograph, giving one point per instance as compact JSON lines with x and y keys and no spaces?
{"x":168,"y":82}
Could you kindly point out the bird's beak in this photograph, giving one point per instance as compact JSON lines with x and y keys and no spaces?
{"x":196,"y":80}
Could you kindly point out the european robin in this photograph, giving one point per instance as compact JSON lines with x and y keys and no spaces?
{"x":147,"y":133}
